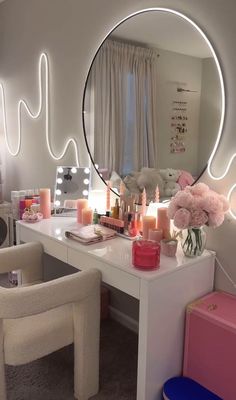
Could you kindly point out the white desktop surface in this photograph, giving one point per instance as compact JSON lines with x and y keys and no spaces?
{"x":163,"y":293}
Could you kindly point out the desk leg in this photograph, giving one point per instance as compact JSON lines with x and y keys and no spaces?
{"x":161,"y":324}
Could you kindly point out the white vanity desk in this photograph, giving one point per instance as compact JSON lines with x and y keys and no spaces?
{"x":163,"y":294}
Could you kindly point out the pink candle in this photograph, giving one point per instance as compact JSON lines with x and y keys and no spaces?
{"x":122,"y":188}
{"x":157,"y":195}
{"x":145,"y":254}
{"x":108,"y":197}
{"x":45,"y":202}
{"x":163,"y":222}
{"x":144,"y":202}
{"x":155,"y":234}
{"x":149,"y":222}
{"x":87,"y":216}
{"x":81,"y":203}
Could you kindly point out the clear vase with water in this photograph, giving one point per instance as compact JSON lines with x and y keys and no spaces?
{"x":193,"y":241}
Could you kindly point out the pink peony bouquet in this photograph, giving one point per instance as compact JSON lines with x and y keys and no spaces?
{"x":196,"y":206}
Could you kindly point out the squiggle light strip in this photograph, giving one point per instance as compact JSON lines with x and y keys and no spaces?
{"x":43,"y":59}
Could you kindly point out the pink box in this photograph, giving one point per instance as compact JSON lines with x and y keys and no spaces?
{"x":210,"y":343}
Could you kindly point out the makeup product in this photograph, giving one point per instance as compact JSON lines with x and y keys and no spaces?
{"x":132,"y":226}
{"x":87,"y":216}
{"x":45,"y":202}
{"x":155,"y":234}
{"x":169,"y":247}
{"x":146,"y":254}
{"x":95,"y":217}
{"x":81,"y":203}
{"x":149,"y":222}
{"x":163,"y":222}
{"x":112,"y":223}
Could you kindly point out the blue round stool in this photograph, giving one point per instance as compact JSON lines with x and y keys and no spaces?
{"x":182,"y":388}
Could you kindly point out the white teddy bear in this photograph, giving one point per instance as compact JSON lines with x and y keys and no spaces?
{"x":170,"y":177}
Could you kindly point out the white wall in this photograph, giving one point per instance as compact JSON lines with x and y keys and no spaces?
{"x":177,"y":70}
{"x":210,"y":107}
{"x":70,"y":31}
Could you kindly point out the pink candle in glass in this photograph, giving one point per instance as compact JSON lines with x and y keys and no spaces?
{"x":87,"y":216}
{"x":81,"y":203}
{"x":149,"y":222}
{"x":146,"y":254}
{"x":163,"y":222}
{"x":155,"y":234}
{"x":45,"y":202}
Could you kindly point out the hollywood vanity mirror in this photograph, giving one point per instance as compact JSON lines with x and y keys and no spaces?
{"x":71,"y":184}
{"x":154,"y":98}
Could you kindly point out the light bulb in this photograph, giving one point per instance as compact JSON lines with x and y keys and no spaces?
{"x":58,"y":192}
{"x":59,"y":181}
{"x":73,"y":170}
{"x":60,"y":170}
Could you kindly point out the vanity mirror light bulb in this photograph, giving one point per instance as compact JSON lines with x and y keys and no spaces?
{"x":85,"y":192}
{"x":73,"y":170}
{"x":86,"y":181}
{"x":96,"y":166}
{"x":58,"y":192}
{"x":57,"y":203}
{"x":58,"y":231}
{"x":86,"y":170}
{"x":59,"y":181}
{"x":60,"y":170}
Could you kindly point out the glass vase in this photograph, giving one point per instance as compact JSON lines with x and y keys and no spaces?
{"x":193,"y":241}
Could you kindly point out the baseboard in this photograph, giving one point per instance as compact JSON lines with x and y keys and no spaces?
{"x":124,"y":319}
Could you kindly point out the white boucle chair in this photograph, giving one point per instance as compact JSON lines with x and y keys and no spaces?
{"x":41,"y":318}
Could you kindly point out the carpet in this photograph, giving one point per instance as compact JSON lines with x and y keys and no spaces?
{"x":51,"y":377}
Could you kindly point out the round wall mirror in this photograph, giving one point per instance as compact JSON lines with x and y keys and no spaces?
{"x":153,"y":102}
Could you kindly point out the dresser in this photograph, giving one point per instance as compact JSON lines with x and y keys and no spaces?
{"x":163,"y":294}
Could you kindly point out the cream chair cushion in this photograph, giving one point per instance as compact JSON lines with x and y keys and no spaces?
{"x":29,"y":338}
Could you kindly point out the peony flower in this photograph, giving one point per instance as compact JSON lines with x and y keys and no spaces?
{"x":200,"y":189}
{"x":211,"y":203}
{"x":198,"y":218}
{"x":215,"y":219}
{"x":225,"y":203}
{"x":184,"y":199}
{"x":173,"y":207}
{"x":182,"y":218}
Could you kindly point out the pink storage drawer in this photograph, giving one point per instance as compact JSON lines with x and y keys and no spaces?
{"x":210,"y":343}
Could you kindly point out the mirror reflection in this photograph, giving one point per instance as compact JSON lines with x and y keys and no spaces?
{"x":71,"y":184}
{"x":152,"y":104}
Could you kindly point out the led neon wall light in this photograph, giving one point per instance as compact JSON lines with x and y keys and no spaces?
{"x":42,"y":65}
{"x":44,"y":60}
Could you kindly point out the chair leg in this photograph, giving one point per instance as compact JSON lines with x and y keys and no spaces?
{"x":3,"y":395}
{"x":86,"y":347}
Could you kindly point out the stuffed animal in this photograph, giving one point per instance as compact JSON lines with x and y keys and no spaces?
{"x":170,"y":177}
{"x":149,"y":179}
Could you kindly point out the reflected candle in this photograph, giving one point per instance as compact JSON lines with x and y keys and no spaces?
{"x":81,"y":204}
{"x":149,"y":222}
{"x":87,"y":216}
{"x":163,"y":222}
{"x":45,"y":202}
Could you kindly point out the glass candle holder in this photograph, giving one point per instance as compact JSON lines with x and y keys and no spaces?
{"x":169,"y":247}
{"x":146,"y":254}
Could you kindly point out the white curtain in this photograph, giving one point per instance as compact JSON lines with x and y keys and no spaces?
{"x":123,"y":84}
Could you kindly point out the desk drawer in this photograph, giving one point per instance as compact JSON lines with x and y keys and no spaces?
{"x":111,"y":275}
{"x":51,"y":247}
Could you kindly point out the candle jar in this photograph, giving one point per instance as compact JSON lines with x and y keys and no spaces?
{"x":146,"y":254}
{"x":81,"y":203}
{"x":149,"y":222}
{"x":169,"y":247}
{"x":87,"y":216}
{"x":155,"y":234}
